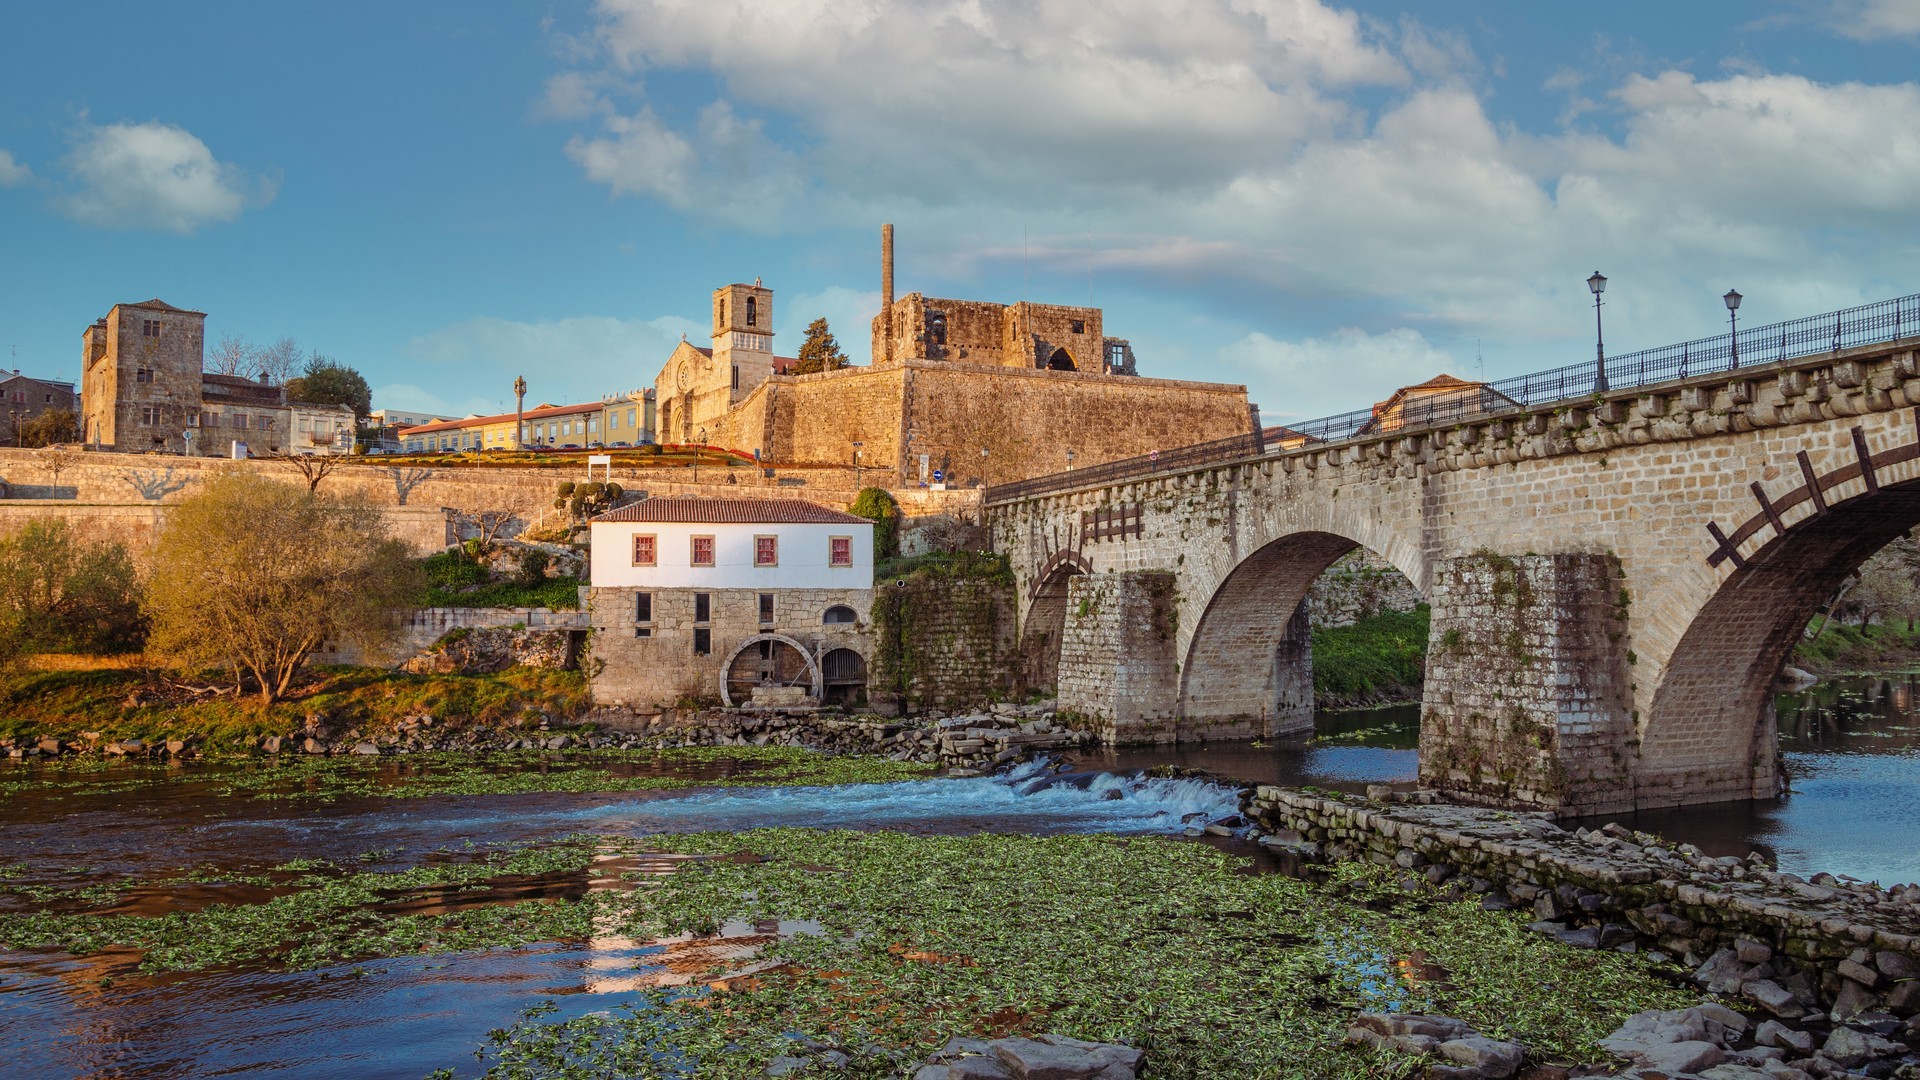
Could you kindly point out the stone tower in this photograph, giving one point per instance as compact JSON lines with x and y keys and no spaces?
{"x":140,"y":376}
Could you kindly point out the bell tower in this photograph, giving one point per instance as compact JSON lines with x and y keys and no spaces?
{"x":743,"y":319}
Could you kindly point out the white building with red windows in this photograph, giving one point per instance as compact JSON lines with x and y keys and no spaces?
{"x":751,"y":602}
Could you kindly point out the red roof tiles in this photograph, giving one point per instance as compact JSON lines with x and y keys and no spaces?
{"x":721,"y":511}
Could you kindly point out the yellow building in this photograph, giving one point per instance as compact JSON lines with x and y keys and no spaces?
{"x":614,"y":422}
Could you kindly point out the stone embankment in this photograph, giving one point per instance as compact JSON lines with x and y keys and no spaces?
{"x":1832,"y":967}
{"x":966,"y":744}
{"x":969,"y":744}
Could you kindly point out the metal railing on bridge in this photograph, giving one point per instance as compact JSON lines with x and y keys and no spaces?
{"x":1757,"y":346}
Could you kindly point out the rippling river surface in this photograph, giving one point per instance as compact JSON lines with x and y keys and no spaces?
{"x":1852,"y":748}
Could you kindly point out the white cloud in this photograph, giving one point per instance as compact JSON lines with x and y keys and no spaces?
{"x":13,"y":173}
{"x":1867,"y":20}
{"x":156,"y":176}
{"x":572,"y":359}
{"x":1278,"y":146}
{"x":1320,"y":376}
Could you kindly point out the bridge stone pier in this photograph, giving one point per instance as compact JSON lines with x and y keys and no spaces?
{"x":1616,"y":581}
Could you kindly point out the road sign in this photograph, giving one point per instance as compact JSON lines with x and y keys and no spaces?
{"x":938,"y":476}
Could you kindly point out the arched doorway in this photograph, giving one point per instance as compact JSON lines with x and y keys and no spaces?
{"x":843,"y":674}
{"x":769,"y":669}
{"x":1061,"y":360}
{"x":1046,"y":621}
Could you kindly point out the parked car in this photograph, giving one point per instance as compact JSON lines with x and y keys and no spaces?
{"x":569,"y":446}
{"x":619,"y":445}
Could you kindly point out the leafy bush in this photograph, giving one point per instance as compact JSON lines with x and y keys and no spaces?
{"x":1385,"y":653}
{"x":59,"y":592}
{"x":877,"y":506}
{"x":450,"y":572}
{"x":533,"y":568}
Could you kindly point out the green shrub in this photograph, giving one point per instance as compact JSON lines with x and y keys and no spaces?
{"x":877,"y":506}
{"x":533,"y":568}
{"x":1384,"y":653}
{"x":566,"y":488}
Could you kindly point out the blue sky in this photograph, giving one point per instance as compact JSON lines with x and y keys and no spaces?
{"x":1320,"y":201}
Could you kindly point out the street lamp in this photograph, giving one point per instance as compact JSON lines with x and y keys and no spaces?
{"x":1069,"y":459}
{"x":1598,"y":283}
{"x":1733,"y":325}
{"x":983,"y":466}
{"x":519,"y":412}
{"x":857,"y":444}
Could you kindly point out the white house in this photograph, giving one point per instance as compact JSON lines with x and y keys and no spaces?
{"x":735,"y":599}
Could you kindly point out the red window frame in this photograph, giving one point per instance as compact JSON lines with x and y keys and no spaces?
{"x":646,"y":550}
{"x":766,"y":551}
{"x":694,"y":545}
{"x":839,"y":551}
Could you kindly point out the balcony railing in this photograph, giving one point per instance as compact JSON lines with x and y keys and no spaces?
{"x":1758,"y":347}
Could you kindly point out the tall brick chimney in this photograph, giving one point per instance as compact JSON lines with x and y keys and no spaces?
{"x":886,"y":293}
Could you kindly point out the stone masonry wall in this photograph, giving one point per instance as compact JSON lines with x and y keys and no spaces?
{"x":1528,"y":698}
{"x":1118,"y":671}
{"x":943,"y":642}
{"x":661,"y":669}
{"x":1359,"y":585}
{"x":422,"y":528}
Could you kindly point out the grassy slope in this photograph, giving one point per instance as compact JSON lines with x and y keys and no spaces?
{"x":1851,"y":648}
{"x":146,"y":704}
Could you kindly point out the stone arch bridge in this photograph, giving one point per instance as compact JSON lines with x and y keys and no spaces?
{"x":1616,"y":579}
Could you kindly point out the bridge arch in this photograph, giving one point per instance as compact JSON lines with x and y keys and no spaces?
{"x":1045,"y":620}
{"x":1709,"y":732}
{"x":1248,"y":667}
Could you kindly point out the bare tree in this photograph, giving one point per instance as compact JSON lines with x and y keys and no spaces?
{"x":487,"y":525}
{"x":279,"y":360}
{"x":313,"y":467}
{"x":234,"y":355}
{"x":55,"y":462}
{"x":405,"y":480}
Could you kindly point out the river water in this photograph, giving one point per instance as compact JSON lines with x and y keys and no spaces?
{"x":1852,"y":748}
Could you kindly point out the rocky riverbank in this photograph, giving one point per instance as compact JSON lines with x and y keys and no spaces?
{"x":1829,"y":969}
{"x":967,"y":744}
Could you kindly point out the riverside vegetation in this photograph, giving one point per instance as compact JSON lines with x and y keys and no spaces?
{"x":907,"y":941}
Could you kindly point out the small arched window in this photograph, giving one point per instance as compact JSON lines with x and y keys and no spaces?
{"x":723,"y":313}
{"x":753,"y":312}
{"x":838,"y":614}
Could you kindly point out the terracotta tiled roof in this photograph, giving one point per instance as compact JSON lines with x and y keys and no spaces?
{"x":539,"y":413}
{"x":162,"y":305}
{"x":698,"y":510}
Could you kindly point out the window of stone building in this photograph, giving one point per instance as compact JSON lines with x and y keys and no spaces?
{"x":644,"y":552}
{"x":736,"y":376}
{"x":150,"y":328}
{"x":838,"y":615}
{"x":239,"y":420}
{"x":1079,"y":327}
{"x":306,"y":424}
{"x":266,"y":423}
{"x":766,"y":607}
{"x":643,"y":613}
{"x":840,"y":551}
{"x":19,"y":397}
{"x":143,"y":375}
{"x":150,"y":415}
{"x":766,"y":551}
{"x":702,"y":607}
{"x":702,"y":552}
{"x":753,"y":312}
{"x":702,"y":641}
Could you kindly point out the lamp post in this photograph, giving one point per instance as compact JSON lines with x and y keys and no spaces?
{"x":1598,"y":283}
{"x":983,"y":466}
{"x":1733,"y":326}
{"x":857,"y":444}
{"x":519,"y":412}
{"x":1069,"y":460}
